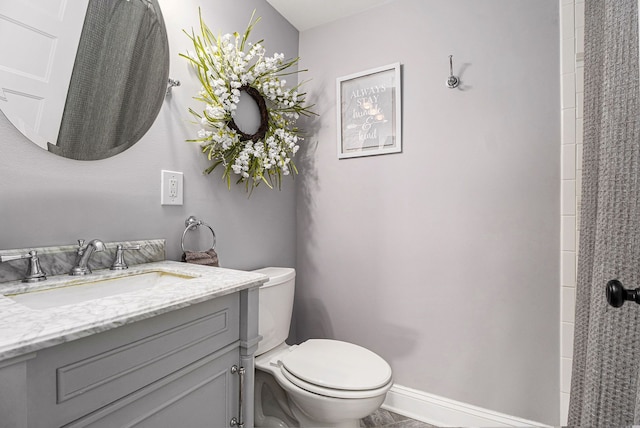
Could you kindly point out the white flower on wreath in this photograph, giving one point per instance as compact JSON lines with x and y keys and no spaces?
{"x":226,"y":65}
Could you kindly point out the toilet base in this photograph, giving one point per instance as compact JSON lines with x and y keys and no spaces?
{"x":305,"y":422}
{"x":271,"y":408}
{"x":275,"y":408}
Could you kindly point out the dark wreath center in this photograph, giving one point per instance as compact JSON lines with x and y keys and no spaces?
{"x":244,"y":133}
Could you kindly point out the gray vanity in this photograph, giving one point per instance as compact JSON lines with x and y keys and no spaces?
{"x":161,"y":344}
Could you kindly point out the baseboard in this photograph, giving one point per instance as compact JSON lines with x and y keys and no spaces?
{"x":444,"y":412}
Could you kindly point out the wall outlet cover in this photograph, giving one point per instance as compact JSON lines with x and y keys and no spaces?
{"x":171,"y":187}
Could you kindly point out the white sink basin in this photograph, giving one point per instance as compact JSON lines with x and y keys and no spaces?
{"x":82,"y":290}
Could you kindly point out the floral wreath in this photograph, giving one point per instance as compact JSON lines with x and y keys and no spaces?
{"x":226,"y":68}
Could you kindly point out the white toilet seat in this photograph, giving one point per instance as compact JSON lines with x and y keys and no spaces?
{"x":330,"y":368}
{"x":334,"y":393}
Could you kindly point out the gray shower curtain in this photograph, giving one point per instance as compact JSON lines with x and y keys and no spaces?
{"x":118,"y":82}
{"x":605,"y":384}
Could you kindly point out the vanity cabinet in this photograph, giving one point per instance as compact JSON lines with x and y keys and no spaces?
{"x":172,"y":370}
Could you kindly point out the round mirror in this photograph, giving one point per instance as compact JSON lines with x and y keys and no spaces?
{"x":84,"y":82}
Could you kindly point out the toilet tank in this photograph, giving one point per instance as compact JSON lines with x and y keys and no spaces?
{"x":276,"y":306}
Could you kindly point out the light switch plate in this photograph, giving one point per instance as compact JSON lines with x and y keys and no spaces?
{"x":171,"y":187}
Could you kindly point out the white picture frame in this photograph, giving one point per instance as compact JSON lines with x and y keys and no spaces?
{"x":369,"y":112}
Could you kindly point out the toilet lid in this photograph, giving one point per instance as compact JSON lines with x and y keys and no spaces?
{"x":337,"y":365}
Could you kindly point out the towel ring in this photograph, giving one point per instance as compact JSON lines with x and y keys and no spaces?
{"x":194,"y":223}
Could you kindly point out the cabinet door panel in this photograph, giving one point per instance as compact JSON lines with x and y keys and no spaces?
{"x":201,"y":395}
{"x":74,"y":379}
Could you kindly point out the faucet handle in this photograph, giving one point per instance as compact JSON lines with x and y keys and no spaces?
{"x":34,"y":271}
{"x":80,"y":249}
{"x":118,"y":262}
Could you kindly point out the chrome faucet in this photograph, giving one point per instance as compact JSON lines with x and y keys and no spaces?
{"x":84,"y":254}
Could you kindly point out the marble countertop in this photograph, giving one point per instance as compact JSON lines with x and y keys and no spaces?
{"x":24,"y":330}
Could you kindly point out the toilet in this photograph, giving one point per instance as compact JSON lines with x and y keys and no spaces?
{"x":318,"y":383}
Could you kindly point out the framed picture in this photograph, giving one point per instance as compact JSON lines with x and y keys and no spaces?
{"x":369,"y":112}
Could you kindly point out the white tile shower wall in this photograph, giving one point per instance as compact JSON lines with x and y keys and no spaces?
{"x":572,"y":73}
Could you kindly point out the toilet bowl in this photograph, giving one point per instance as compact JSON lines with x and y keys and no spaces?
{"x":318,"y":383}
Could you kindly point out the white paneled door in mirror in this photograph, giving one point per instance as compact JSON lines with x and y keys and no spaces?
{"x":38,"y":42}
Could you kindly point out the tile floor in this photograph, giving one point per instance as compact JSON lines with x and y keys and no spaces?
{"x":385,"y":419}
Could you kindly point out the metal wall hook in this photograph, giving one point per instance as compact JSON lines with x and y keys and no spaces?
{"x":452,"y":81}
{"x":171,"y":84}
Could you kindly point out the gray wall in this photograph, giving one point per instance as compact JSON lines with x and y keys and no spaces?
{"x":444,"y":258}
{"x":48,"y":200}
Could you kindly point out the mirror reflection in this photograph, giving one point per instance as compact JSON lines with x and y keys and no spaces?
{"x":86,"y":83}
